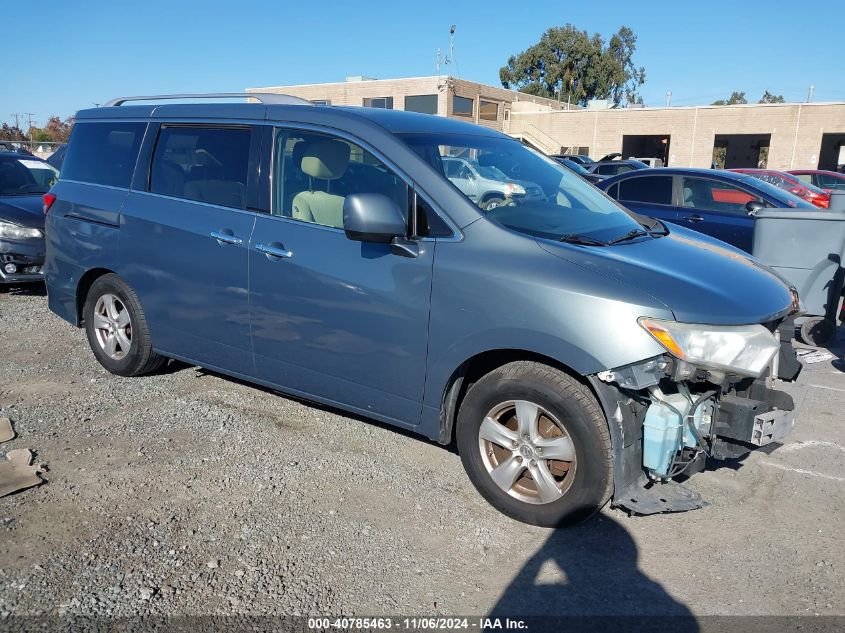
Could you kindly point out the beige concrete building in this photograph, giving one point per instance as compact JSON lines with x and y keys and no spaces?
{"x":779,"y":136}
{"x":442,"y":95}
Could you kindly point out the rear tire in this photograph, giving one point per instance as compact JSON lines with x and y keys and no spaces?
{"x":117,"y":328}
{"x":536,"y":444}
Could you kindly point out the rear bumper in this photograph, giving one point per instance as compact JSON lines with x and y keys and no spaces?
{"x":26,"y":258}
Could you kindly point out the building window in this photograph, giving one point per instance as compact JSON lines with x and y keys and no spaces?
{"x":427,"y":104}
{"x":321,"y":101}
{"x":462,"y":106}
{"x":386,"y":103}
{"x":488,"y":110}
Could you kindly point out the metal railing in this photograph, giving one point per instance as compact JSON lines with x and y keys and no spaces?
{"x":42,"y":149}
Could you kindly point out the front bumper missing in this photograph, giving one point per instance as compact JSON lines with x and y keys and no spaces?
{"x":757,"y":417}
{"x":742,"y":422}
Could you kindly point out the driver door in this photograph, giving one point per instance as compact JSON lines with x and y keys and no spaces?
{"x":337,"y":320}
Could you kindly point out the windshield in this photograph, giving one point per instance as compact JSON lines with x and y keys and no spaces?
{"x":781,"y":195}
{"x":533,"y":194}
{"x":25,"y":176}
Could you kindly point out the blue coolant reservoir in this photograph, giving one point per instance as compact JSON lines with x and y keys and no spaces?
{"x":665,"y":432}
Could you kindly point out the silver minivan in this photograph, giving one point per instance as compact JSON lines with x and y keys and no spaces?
{"x":576,"y":353}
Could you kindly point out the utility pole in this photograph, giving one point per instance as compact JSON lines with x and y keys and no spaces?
{"x":810,"y":93}
{"x":29,"y":115}
{"x":668,"y":98}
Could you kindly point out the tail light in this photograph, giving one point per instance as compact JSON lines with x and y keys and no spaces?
{"x":49,"y":199}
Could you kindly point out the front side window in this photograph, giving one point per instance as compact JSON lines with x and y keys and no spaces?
{"x":206,"y":164}
{"x":608,"y":169}
{"x":427,"y":104}
{"x":713,"y":195}
{"x":808,"y":178}
{"x":25,"y":176}
{"x":385,"y":103}
{"x":462,"y":106}
{"x":103,"y":153}
{"x":313,"y":173}
{"x":533,"y":194}
{"x":648,"y":189}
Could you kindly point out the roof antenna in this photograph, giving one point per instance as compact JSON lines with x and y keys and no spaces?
{"x":451,"y":59}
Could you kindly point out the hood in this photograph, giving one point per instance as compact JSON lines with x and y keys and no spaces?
{"x":700,"y":279}
{"x":25,"y":211}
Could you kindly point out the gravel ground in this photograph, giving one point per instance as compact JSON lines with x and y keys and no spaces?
{"x":190,"y":493}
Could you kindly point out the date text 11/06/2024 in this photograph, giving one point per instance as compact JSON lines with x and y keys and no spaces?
{"x":415,"y":623}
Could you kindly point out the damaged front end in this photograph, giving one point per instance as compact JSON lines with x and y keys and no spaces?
{"x":711,"y":396}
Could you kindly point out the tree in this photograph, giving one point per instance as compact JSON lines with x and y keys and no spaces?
{"x":11,"y":133}
{"x":59,"y":130}
{"x":568,"y":63}
{"x":736,"y":98}
{"x":768,"y":97}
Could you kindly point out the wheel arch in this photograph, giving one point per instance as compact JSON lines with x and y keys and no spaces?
{"x":492,"y":194}
{"x":85,"y":282}
{"x":623,"y":424}
{"x":479,"y":365}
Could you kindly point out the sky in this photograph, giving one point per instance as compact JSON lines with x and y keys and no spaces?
{"x":87,"y":52}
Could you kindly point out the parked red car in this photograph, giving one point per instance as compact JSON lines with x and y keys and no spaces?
{"x":821,"y":178}
{"x":792,"y":184}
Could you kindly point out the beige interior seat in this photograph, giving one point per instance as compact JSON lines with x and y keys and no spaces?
{"x":324,"y":160}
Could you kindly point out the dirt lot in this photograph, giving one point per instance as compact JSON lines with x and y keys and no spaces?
{"x":186,"y":492}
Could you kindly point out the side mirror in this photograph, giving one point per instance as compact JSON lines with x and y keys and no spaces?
{"x":372,"y":217}
{"x":753,"y":206}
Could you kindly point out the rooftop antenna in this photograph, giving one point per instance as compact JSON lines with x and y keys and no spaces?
{"x":437,"y":61}
{"x":810,"y":93}
{"x":451,"y":59}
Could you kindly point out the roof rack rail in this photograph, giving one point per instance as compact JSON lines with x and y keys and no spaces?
{"x":263,"y":97}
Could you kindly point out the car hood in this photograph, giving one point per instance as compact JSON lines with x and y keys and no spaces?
{"x":25,"y":211}
{"x":700,"y":279}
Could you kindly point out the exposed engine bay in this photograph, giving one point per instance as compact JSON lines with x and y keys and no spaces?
{"x":670,"y":417}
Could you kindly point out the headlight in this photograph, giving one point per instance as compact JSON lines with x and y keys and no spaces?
{"x":15,"y":232}
{"x":740,"y":349}
{"x":514,"y":189}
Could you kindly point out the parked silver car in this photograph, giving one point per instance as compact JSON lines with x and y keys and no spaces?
{"x":486,"y":185}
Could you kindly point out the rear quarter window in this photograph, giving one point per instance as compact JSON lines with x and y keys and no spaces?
{"x":650,"y":189}
{"x":103,"y":153}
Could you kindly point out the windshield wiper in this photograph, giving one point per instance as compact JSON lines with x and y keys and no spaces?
{"x":574,"y":238}
{"x":635,"y":233}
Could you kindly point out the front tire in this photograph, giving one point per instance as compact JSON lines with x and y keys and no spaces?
{"x":117,"y":328}
{"x":818,"y":331}
{"x":536,"y":445}
{"x":491,"y":203}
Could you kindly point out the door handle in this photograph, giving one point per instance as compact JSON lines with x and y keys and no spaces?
{"x":226,"y":238}
{"x":273,"y":251}
{"x":694,"y":218}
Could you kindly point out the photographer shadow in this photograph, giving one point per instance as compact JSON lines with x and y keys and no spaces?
{"x":586,"y":578}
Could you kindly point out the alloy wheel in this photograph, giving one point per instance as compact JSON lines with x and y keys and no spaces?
{"x":112,"y":326}
{"x":527,"y":451}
